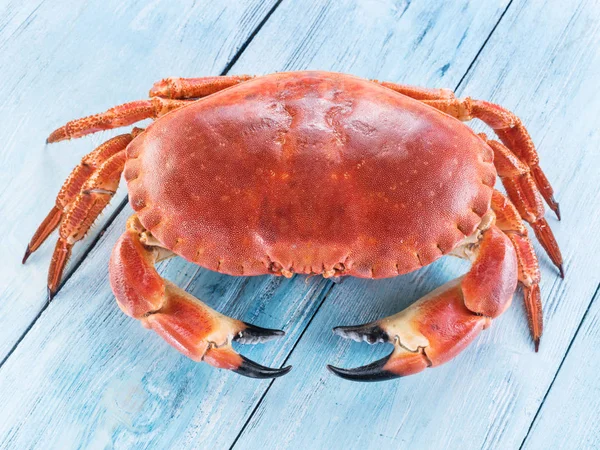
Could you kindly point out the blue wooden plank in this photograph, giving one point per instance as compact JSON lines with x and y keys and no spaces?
{"x":99,"y":378}
{"x":538,"y":63}
{"x":87,"y":375}
{"x":64,"y":59}
{"x":568,"y":418}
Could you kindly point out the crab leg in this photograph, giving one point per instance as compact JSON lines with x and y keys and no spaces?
{"x":179,"y":88}
{"x":118,"y":116}
{"x":73,"y":184}
{"x":509,"y":129}
{"x":94,"y":196}
{"x":182,"y":320}
{"x":167,"y":95}
{"x":440,"y":325}
{"x":509,"y":221}
{"x":416,"y":92}
{"x":522,"y":191}
{"x":506,"y":125}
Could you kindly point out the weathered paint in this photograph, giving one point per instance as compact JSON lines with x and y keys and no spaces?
{"x":86,"y":374}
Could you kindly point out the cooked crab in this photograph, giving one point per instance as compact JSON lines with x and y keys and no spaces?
{"x":312,"y":173}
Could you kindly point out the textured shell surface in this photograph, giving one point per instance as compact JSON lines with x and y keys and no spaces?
{"x":309,"y":172}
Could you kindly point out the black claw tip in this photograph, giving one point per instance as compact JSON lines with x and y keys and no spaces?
{"x":557,"y":211}
{"x":250,"y":369}
{"x":370,"y":372}
{"x":27,"y":253}
{"x":562,"y":271}
{"x":537,"y":344}
{"x":253,"y":334}
{"x":370,"y":332}
{"x":50,"y":294}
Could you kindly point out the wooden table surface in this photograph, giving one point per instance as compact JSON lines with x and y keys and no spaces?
{"x":78,"y":373}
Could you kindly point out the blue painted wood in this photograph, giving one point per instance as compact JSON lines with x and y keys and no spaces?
{"x":538,"y":63}
{"x":64,"y":59}
{"x":568,"y":419}
{"x":109,"y":382}
{"x":86,"y":374}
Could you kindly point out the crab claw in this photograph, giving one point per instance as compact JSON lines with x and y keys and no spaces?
{"x":186,"y":323}
{"x":382,"y":369}
{"x":227,"y":358}
{"x":203,"y":334}
{"x":427,"y":333}
{"x":440,"y":325}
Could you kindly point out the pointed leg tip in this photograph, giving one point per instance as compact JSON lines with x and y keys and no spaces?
{"x":374,"y":371}
{"x":284,"y":370}
{"x":554,"y":206}
{"x":253,"y":334}
{"x":562,"y":271}
{"x":51,"y":294}
{"x":249,"y":368}
{"x":57,"y":135}
{"x":26,"y":255}
{"x":371,"y":372}
{"x":537,"y":344}
{"x":346,"y":374}
{"x":336,"y":370}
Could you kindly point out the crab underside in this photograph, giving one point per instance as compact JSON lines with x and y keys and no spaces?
{"x":312,"y":173}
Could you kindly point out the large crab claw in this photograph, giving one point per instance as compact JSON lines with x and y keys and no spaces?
{"x":440,"y":325}
{"x":193,"y":328}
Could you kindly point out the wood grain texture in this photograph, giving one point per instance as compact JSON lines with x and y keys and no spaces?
{"x":109,"y":382}
{"x":66,"y":59}
{"x":537,"y":63}
{"x":86,"y":375}
{"x":568,"y":419}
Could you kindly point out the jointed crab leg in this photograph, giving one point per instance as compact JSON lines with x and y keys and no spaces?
{"x":89,"y":187}
{"x":72,"y":187}
{"x":180,"y":88}
{"x":436,"y":328}
{"x":85,"y":193}
{"x":522,"y":191}
{"x":509,"y":129}
{"x":182,"y":320}
{"x":509,"y":221}
{"x":94,"y":196}
{"x":517,"y":161}
{"x":167,"y":95}
{"x":507,"y":126}
{"x":118,"y":116}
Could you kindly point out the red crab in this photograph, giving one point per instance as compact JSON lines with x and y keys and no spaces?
{"x":312,"y":173}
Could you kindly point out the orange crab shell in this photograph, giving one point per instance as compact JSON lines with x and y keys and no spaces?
{"x":310,"y":172}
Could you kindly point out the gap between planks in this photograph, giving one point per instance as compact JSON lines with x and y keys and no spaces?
{"x":260,"y":400}
{"x":460,"y":82}
{"x":329,"y":290}
{"x":560,"y":366}
{"x":121,"y":206}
